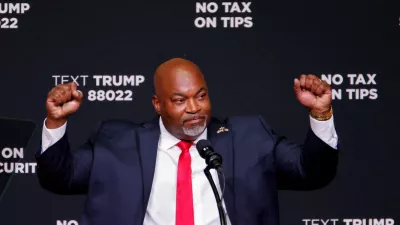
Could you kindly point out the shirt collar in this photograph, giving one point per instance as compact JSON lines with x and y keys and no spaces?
{"x":167,"y":140}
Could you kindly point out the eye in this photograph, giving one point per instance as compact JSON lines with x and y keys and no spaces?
{"x":179,"y":101}
{"x":202,"y":96}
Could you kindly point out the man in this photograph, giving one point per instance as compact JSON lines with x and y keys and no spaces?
{"x":151,"y":173}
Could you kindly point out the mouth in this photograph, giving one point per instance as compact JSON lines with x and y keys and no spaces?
{"x":194,"y":120}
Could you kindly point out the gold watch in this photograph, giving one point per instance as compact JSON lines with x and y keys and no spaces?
{"x":323,"y":118}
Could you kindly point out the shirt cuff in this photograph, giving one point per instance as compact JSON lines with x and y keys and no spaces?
{"x":51,"y":136}
{"x":325,"y":130}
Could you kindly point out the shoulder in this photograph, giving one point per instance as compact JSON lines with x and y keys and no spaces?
{"x":118,"y":124}
{"x":250,"y":124}
{"x":119,"y":129}
{"x":113,"y":128}
{"x":247,"y":120}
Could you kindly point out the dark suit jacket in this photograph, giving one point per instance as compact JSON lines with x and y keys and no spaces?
{"x":115,"y":169}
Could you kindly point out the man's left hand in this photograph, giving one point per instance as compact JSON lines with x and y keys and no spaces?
{"x":314,"y":94}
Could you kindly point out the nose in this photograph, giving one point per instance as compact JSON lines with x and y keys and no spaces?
{"x":192,"y":107}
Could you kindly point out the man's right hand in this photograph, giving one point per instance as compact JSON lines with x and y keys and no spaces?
{"x":62,"y":101}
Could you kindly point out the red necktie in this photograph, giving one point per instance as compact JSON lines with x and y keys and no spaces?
{"x":184,"y":196}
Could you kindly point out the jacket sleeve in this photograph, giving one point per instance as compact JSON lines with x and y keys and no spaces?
{"x":309,"y":166}
{"x":64,"y":171}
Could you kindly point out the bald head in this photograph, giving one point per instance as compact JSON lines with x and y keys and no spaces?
{"x":181,"y":98}
{"x":175,"y":70}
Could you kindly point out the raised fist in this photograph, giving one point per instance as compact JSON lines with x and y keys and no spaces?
{"x":314,"y":94}
{"x":62,"y":101}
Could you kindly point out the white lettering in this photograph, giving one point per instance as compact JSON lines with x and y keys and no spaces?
{"x":17,"y":167}
{"x":351,"y":76}
{"x":371,"y":78}
{"x":336,"y":94}
{"x":204,"y":7}
{"x":18,"y":8}
{"x":320,"y":221}
{"x":12,"y":153}
{"x":336,"y":79}
{"x":360,"y":79}
{"x":69,"y":78}
{"x":234,"y":7}
{"x":97,"y":79}
{"x":208,"y":22}
{"x":347,"y":221}
{"x":370,"y":221}
{"x":234,"y":22}
{"x":118,"y":80}
{"x":356,"y":79}
{"x":362,"y":93}
{"x":66,"y":222}
{"x":325,"y":222}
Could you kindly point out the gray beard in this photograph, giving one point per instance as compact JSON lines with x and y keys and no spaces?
{"x":195,"y":130}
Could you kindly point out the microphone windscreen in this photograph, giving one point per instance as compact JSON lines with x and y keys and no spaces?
{"x":201,"y":145}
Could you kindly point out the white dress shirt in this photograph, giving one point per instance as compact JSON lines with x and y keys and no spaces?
{"x":161,"y":206}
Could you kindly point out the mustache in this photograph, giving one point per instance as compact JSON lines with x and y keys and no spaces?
{"x":195,"y":118}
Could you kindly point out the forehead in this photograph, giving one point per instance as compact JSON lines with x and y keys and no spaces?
{"x":184,"y":81}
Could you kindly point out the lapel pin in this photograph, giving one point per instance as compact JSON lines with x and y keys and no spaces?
{"x":222,"y":129}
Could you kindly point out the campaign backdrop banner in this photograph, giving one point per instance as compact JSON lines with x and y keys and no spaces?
{"x":249,"y":52}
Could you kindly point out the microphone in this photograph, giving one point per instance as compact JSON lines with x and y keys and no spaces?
{"x":213,"y":159}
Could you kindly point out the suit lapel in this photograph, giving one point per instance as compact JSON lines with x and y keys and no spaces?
{"x":221,"y":141}
{"x":148,"y":144}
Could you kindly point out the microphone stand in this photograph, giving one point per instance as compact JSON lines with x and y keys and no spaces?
{"x":216,"y":194}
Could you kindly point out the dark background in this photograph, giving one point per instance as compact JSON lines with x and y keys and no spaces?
{"x":248,"y":70}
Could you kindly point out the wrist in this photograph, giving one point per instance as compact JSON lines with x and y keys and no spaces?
{"x":322,"y":115}
{"x":54,"y":123}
